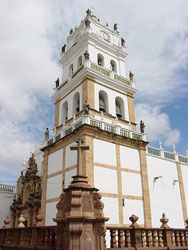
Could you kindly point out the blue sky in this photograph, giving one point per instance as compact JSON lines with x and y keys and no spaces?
{"x":32,"y":33}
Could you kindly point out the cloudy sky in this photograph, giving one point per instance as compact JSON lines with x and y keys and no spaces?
{"x":31,"y":35}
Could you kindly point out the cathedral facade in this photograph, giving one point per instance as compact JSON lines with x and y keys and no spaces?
{"x":94,"y":105}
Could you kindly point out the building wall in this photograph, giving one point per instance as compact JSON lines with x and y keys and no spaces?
{"x":111,"y":100}
{"x":164,"y":192}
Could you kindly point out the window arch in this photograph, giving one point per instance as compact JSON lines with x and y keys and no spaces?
{"x":100,"y":60}
{"x":76,"y":103}
{"x":65,"y":112}
{"x":113,"y":65}
{"x":103,"y":101}
{"x":79,"y":62}
{"x":71,"y":69}
{"x":120,"y":109}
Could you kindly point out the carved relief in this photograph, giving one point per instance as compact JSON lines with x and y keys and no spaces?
{"x":98,"y":204}
{"x":104,"y":35}
{"x":100,"y":228}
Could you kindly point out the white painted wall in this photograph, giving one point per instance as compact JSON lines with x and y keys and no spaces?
{"x":129,"y":158}
{"x":54,"y":187}
{"x":164,"y":196}
{"x":50,"y":213}
{"x":111,"y":100}
{"x":55,"y":162}
{"x":70,"y":156}
{"x":131,"y":184}
{"x":184,"y":169}
{"x":105,"y":180}
{"x":6,"y":199}
{"x":104,"y":152}
{"x":133,"y":207}
{"x":68,"y":176}
{"x":111,"y":209}
{"x":69,"y":99}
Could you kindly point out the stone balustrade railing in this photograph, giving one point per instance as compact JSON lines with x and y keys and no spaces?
{"x":125,"y":237}
{"x":86,"y":119}
{"x":168,"y":155}
{"x":8,"y":188}
{"x":30,"y":237}
{"x":99,"y":69}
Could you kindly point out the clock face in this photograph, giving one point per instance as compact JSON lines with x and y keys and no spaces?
{"x":104,"y":35}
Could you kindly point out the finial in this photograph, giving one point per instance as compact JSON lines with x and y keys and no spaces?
{"x":142,"y":126}
{"x":71,"y":31}
{"x":86,"y":108}
{"x":87,"y":23}
{"x":21,"y":221}
{"x":122,"y":42}
{"x":6,"y":223}
{"x":107,"y":24}
{"x":133,"y":219}
{"x":164,"y":221}
{"x":160,"y":145}
{"x":174,"y":149}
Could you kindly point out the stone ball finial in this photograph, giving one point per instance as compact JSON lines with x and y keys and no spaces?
{"x":21,"y":221}
{"x":164,"y":221}
{"x":6,"y":223}
{"x":38,"y":219}
{"x":134,"y":219}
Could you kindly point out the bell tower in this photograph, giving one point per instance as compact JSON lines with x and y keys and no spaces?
{"x":94,"y":104}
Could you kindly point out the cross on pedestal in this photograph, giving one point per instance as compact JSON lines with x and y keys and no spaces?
{"x":80,"y":147}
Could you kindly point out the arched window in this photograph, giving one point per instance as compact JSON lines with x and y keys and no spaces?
{"x":113,"y":65}
{"x":65,"y":112}
{"x":103,"y":101}
{"x":79,"y":62}
{"x":71,"y":69}
{"x":76,"y":103}
{"x":120,"y":109}
{"x":100,"y":60}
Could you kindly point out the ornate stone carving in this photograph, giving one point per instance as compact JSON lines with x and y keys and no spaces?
{"x":88,"y":12}
{"x":98,"y":204}
{"x":86,"y":108}
{"x":100,"y":228}
{"x":38,"y":219}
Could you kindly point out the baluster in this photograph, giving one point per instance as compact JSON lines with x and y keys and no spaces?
{"x":105,"y":240}
{"x":113,"y":238}
{"x":121,"y":242}
{"x":149,"y":238}
{"x":182,"y":239}
{"x":127,"y":238}
{"x":155,"y":239}
{"x":144,"y":239}
{"x":173,"y":239}
{"x":186,"y":238}
{"x":161,"y":241}
{"x":177,"y":236}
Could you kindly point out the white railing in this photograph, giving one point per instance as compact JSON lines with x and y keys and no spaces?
{"x":160,"y":152}
{"x":86,"y":119}
{"x":8,"y":188}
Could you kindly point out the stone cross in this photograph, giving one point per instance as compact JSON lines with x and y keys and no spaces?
{"x":79,"y":147}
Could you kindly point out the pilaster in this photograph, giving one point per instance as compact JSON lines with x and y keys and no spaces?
{"x":57,"y":108}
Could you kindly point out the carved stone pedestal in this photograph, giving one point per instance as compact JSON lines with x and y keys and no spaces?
{"x":80,"y":219}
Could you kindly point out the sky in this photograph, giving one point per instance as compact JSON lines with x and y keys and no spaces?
{"x":31,"y":36}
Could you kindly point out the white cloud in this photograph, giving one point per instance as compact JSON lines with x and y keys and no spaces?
{"x":157,"y":124}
